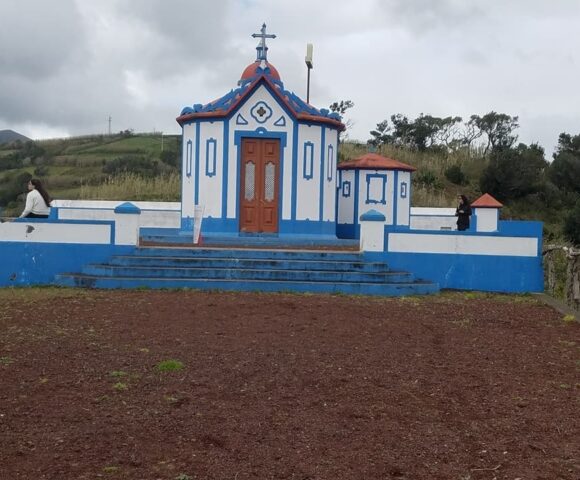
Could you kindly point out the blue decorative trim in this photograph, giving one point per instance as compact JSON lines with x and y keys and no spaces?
{"x":373,"y":216}
{"x":346,"y":189}
{"x":260,"y":132}
{"x":321,"y":188}
{"x":188,"y":158}
{"x":294,"y":200}
{"x":356,"y":201}
{"x":240,"y":120}
{"x":370,"y":177}
{"x":210,"y":157}
{"x":261,"y":112}
{"x":197,"y":140}
{"x":403,"y":189}
{"x":308,"y":160}
{"x":128,"y":208}
{"x":330,"y":163}
{"x":281,"y":122}
{"x":395,"y":197}
{"x":225,"y":171}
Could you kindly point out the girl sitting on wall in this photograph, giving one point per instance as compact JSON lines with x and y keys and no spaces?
{"x":37,"y":201}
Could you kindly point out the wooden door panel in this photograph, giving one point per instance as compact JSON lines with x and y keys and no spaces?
{"x":260,"y":178}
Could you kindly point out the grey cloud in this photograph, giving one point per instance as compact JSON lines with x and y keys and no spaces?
{"x":38,"y":38}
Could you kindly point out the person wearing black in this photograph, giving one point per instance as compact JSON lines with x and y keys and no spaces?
{"x":463,"y":212}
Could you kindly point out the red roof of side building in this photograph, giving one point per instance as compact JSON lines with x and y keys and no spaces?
{"x":486,"y":201}
{"x":373,"y":161}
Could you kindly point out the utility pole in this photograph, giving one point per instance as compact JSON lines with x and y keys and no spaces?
{"x":110,"y":125}
{"x":309,"y":66}
{"x":161,"y":141}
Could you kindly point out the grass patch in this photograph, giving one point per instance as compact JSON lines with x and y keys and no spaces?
{"x":569,"y":318}
{"x":169,"y":366}
{"x":118,"y":373}
{"x":120,"y":387}
{"x":6,"y":361}
{"x":38,"y":294}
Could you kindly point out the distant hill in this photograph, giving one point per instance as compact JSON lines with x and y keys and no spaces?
{"x":9,"y":136}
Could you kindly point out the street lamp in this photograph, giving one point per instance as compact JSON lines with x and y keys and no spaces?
{"x":309,"y":66}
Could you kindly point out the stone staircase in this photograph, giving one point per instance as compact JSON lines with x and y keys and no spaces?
{"x":247,"y":269}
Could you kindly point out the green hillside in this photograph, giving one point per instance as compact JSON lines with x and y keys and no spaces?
{"x":123,"y":166}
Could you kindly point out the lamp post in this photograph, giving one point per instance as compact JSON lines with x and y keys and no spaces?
{"x":309,"y":66}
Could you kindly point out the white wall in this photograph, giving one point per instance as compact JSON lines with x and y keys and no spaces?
{"x":386,"y":209}
{"x":462,"y":244}
{"x":346,"y":204}
{"x":487,"y":219}
{"x":44,"y":232}
{"x":426,"y":218}
{"x":210,"y":187}
{"x":329,"y":191}
{"x":153,"y":214}
{"x":308,"y":190}
{"x":403,"y":204}
{"x":188,"y":166}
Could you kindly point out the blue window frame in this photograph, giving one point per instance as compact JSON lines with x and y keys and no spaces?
{"x":188,"y":158}
{"x":346,"y":189}
{"x":308,"y":164}
{"x":403,"y":189}
{"x":210,"y":156}
{"x":330,"y":163}
{"x":376,"y":188}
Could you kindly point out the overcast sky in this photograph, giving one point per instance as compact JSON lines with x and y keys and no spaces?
{"x":65,"y":66}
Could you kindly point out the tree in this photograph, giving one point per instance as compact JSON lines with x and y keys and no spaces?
{"x":341,"y":108}
{"x":572,"y":225}
{"x":499,"y":129}
{"x":381,"y":135}
{"x":514,"y":172}
{"x":449,"y":132}
{"x":564,"y":171}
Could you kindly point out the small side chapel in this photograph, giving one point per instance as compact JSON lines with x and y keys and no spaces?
{"x":260,"y":160}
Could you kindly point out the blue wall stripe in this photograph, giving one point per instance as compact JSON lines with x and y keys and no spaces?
{"x":293,"y":199}
{"x":197,"y":139}
{"x":322,"y":174}
{"x":225,"y":169}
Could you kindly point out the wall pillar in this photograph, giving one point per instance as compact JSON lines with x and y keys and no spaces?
{"x":127,"y":216}
{"x":372,"y":231}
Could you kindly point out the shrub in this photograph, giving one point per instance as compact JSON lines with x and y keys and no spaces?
{"x":455,"y":175}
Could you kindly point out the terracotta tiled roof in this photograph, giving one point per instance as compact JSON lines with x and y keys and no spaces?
{"x":373,"y":161}
{"x":486,"y":201}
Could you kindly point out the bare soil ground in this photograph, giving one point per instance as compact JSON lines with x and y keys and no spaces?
{"x":281,"y":386}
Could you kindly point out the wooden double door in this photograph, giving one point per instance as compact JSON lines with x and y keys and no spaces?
{"x":260,"y":185}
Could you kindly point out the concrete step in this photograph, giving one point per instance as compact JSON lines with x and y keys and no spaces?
{"x":240,"y":253}
{"x":246,"y":273}
{"x":249,"y":263}
{"x":357,"y":288}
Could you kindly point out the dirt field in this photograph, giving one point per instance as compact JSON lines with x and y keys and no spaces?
{"x":281,"y":386}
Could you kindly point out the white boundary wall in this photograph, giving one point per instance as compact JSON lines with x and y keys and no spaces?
{"x":153,"y":214}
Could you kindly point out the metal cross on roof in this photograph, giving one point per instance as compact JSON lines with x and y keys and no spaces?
{"x":262,"y":48}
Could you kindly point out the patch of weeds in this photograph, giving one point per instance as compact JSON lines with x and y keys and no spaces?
{"x":183,"y":476}
{"x":144,"y":350}
{"x":567,"y":343}
{"x":118,"y":373}
{"x":169,"y":366}
{"x":170,"y":399}
{"x":568,"y":319}
{"x":120,"y":387}
{"x":102,"y":398}
{"x":6,"y":361}
{"x":43,"y":380}
{"x":412,"y":300}
{"x":111,"y":469}
{"x":463,"y":323}
{"x":565,"y":386}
